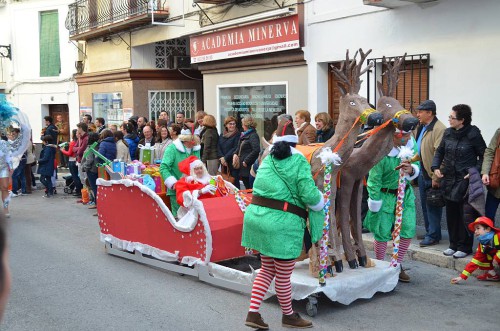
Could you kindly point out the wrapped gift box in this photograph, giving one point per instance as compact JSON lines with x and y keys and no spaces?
{"x":133,"y":169}
{"x":119,"y":166}
{"x":146,"y":154}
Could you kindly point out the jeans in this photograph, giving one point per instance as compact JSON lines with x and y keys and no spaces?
{"x":460,"y":237}
{"x":432,"y":215}
{"x":491,"y":206}
{"x":92,"y":176}
{"x":47,"y":182}
{"x":73,"y":169}
{"x":18,"y":175}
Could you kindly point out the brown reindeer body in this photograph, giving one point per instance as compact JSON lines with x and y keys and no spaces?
{"x":361,"y":161}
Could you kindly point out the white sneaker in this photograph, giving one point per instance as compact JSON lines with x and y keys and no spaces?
{"x":449,"y":252}
{"x":15,"y":195}
{"x":460,"y":254}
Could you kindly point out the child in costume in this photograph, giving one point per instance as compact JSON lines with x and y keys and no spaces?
{"x":487,"y":251}
{"x":382,"y":188}
{"x":186,"y":145}
{"x":197,"y":184}
{"x":274,"y":223}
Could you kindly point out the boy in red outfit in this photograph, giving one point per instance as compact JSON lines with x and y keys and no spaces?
{"x":487,"y":251}
{"x":196,"y":184}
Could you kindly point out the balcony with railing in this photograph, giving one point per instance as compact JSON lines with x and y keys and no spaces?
{"x":89,"y":19}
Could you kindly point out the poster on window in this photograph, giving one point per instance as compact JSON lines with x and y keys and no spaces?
{"x":263,"y":102}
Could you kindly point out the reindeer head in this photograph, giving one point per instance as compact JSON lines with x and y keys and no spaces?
{"x":352,"y":105}
{"x":387,"y":104}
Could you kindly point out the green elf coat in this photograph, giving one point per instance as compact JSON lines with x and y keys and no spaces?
{"x":276,"y":233}
{"x":382,"y":205}
{"x":169,"y":169}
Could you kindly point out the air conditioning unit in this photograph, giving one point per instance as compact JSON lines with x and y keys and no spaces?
{"x":182,"y":62}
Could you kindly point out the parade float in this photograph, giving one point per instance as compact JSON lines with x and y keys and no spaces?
{"x":204,"y":241}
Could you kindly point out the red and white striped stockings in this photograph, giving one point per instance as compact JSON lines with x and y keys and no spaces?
{"x":381,"y":248}
{"x":271,"y":268}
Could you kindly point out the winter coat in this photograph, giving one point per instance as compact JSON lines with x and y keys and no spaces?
{"x":306,"y":134}
{"x":46,"y":161}
{"x":483,"y":259}
{"x":227,"y":147}
{"x":381,"y":185}
{"x":458,"y":151}
{"x":31,"y":158}
{"x":122,"y":151}
{"x":489,"y":155}
{"x":107,"y":147}
{"x":81,"y":146}
{"x":323,"y":136}
{"x":89,"y":163}
{"x":132,"y":141}
{"x":210,"y":138}
{"x":51,"y":130}
{"x":250,"y":148}
{"x":475,"y":200}
{"x":430,"y":142}
{"x":70,"y":153}
{"x":277,"y":233}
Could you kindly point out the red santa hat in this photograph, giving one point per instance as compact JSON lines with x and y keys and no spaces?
{"x":186,"y":165}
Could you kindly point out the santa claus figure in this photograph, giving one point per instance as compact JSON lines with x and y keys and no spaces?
{"x":196,"y":184}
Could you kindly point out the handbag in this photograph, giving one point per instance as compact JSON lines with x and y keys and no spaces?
{"x":225,"y":173}
{"x":434,"y":197}
{"x":495,"y":168}
{"x":236,"y":162}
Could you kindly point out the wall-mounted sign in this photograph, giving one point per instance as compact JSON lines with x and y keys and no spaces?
{"x":258,"y":38}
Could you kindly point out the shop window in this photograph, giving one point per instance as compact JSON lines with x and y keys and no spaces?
{"x":50,"y":59}
{"x":263,"y":102}
{"x":172,"y":101}
{"x":413,"y":84}
{"x":109,"y":106}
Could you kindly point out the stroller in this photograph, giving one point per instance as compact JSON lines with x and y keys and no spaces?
{"x":69,"y":185}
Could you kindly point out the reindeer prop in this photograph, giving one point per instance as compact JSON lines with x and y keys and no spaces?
{"x":364,"y":158}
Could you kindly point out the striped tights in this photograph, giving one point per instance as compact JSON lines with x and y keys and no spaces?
{"x":272,"y":268}
{"x":381,"y":248}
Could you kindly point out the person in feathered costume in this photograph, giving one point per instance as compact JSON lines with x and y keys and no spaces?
{"x":196,"y":184}
{"x":10,"y":154}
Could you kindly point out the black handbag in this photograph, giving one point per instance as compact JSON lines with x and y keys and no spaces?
{"x":435,"y":197}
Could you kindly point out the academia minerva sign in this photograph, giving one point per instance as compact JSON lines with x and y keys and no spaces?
{"x":259,"y":38}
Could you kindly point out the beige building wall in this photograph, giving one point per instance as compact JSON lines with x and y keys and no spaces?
{"x":295,"y":77}
{"x":107,"y":56}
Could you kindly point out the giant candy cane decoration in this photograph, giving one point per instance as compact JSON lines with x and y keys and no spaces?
{"x":405,"y":154}
{"x":327,"y":158}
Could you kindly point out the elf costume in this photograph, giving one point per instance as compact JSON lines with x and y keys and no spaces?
{"x":169,"y":169}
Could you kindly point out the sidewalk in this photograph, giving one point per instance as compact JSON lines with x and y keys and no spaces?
{"x":431,"y":255}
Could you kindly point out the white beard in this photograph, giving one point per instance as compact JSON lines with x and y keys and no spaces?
{"x":204,"y":180}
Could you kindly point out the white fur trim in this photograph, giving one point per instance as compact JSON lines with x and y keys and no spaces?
{"x":320,"y":204}
{"x":374,"y":205}
{"x":395,"y":150}
{"x":170,"y":181}
{"x":295,"y":151}
{"x":188,"y":199}
{"x":131,"y":246}
{"x":179,"y":145}
{"x":196,"y":148}
{"x":184,"y":224}
{"x":288,"y":138}
{"x":416,"y":172}
{"x":195,"y":163}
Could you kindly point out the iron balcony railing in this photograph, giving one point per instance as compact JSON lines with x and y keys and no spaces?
{"x":85,"y":15}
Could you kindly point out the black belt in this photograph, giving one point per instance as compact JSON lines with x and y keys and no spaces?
{"x":279,"y":205}
{"x":391,"y":190}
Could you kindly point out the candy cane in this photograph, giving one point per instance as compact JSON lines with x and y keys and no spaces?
{"x":405,"y":154}
{"x":327,"y":158}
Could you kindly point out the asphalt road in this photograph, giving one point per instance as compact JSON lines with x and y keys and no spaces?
{"x":64,"y":280}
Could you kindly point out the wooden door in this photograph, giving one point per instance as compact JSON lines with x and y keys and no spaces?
{"x":333,"y":94}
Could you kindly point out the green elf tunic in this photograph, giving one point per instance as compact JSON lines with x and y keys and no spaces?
{"x":276,"y":233}
{"x":382,"y":205}
{"x":169,"y":169}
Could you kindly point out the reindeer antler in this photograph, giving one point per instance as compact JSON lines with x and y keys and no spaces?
{"x":392,"y":75}
{"x":350,"y":72}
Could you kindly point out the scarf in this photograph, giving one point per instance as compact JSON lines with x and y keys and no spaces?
{"x":230,"y":134}
{"x":485,"y":239}
{"x":247,"y":132}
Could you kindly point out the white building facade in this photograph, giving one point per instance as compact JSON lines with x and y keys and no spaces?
{"x":39,"y":77}
{"x":458,"y":39}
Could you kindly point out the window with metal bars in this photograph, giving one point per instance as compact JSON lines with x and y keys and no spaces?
{"x":166,"y":50}
{"x":413,"y":84}
{"x":172,"y":101}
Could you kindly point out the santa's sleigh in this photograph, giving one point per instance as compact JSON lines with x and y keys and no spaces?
{"x":137,"y":224}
